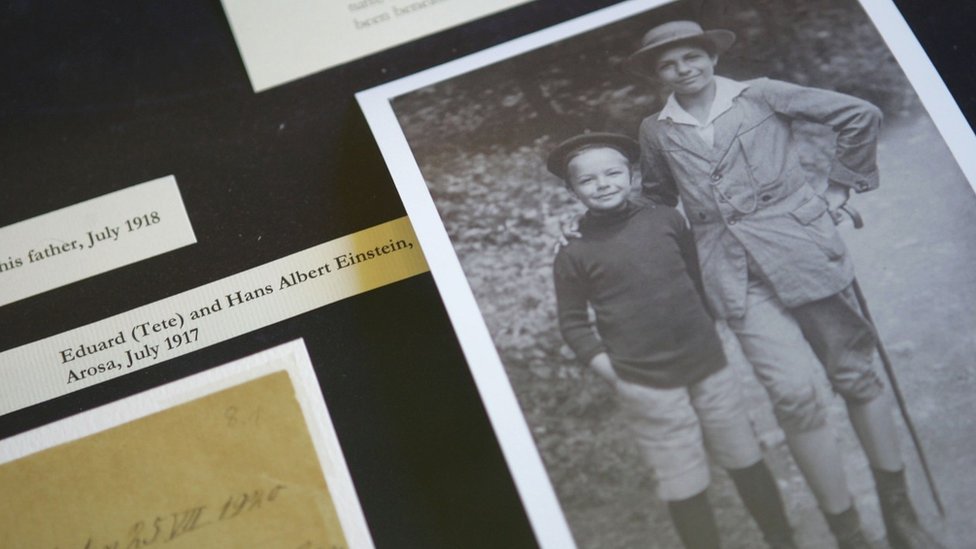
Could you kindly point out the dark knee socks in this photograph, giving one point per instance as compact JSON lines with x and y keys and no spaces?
{"x":695,"y":522}
{"x":761,"y":497}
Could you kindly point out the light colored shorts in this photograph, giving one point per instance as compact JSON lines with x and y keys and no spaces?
{"x":786,"y":347}
{"x":673,"y":428}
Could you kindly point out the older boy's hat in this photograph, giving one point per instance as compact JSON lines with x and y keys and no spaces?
{"x":671,"y":33}
{"x":563,"y":153}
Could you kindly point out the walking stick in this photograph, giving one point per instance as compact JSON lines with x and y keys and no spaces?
{"x":890,"y":371}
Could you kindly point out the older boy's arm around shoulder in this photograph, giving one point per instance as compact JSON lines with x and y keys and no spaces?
{"x":856,"y":121}
{"x":657,"y":183}
{"x":574,"y":317}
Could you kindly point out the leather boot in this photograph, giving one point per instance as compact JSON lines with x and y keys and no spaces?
{"x":900,"y":520}
{"x":846,"y":527}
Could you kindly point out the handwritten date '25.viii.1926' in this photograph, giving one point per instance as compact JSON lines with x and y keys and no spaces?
{"x":165,"y":528}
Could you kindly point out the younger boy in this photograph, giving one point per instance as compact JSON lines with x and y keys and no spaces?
{"x":654,"y":341}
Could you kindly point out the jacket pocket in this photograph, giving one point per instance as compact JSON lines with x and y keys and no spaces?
{"x":810,"y":210}
{"x":820,"y":227}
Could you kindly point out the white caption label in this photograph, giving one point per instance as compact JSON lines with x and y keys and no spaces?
{"x":284,"y":40}
{"x":92,"y":237}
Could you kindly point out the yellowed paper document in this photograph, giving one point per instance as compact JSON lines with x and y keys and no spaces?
{"x":233,"y":469}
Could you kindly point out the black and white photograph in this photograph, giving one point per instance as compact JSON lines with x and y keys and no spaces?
{"x":723,"y":253}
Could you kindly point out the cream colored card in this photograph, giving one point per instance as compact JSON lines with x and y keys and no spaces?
{"x":92,"y":237}
{"x":237,"y":467}
{"x":284,"y":40}
{"x":202,"y":316}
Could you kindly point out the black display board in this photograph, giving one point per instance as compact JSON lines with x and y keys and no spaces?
{"x":97,"y":96}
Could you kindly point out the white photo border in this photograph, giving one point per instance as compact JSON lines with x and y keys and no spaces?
{"x":528,"y":472}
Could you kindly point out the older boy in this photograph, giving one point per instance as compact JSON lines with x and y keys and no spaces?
{"x":654,"y":341}
{"x":772,"y":261}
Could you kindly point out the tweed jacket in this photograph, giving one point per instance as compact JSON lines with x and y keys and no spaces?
{"x":748,"y":199}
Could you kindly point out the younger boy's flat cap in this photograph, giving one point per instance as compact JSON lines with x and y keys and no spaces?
{"x":671,"y":33}
{"x":561,"y":155}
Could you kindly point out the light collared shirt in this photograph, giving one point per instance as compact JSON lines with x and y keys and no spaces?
{"x":748,"y":197}
{"x":725,"y":91}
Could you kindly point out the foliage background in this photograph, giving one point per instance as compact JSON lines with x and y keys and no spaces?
{"x":578,"y":84}
{"x":481,"y":140}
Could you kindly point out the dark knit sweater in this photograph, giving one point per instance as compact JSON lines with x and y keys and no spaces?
{"x":637,"y":268}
